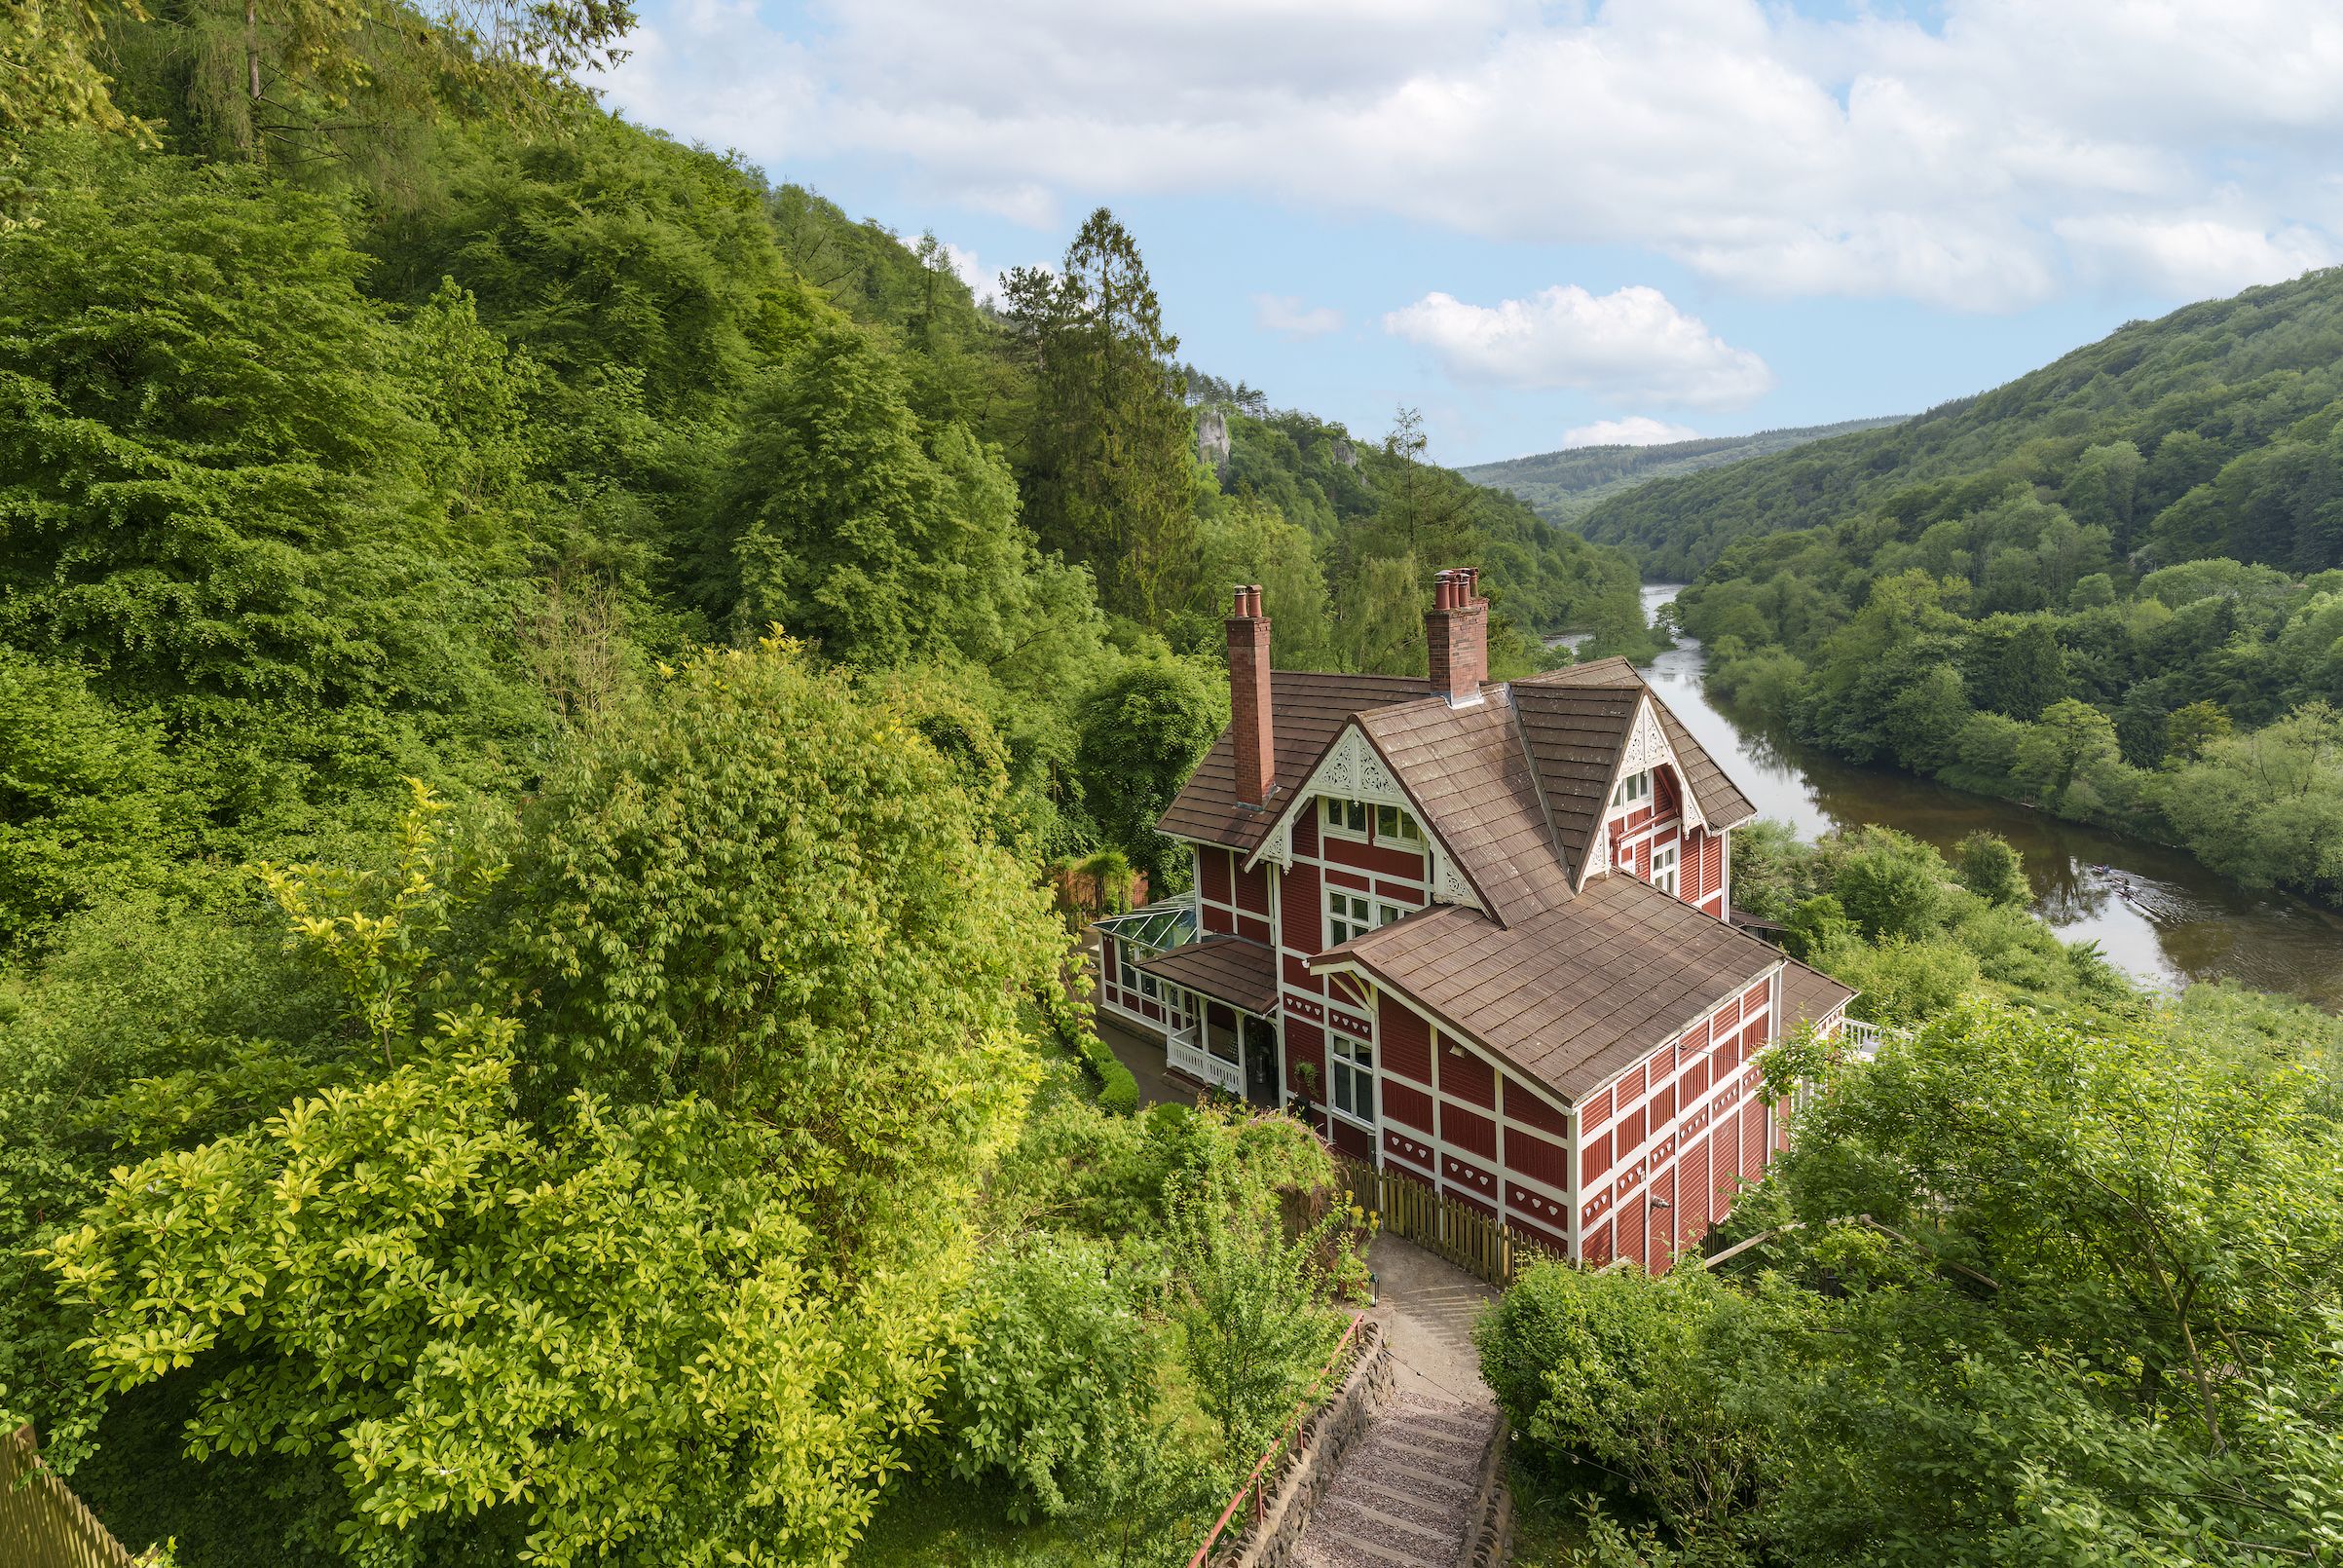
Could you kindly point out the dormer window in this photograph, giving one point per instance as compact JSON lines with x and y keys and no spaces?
{"x":1346,"y":816}
{"x":1635,"y":790}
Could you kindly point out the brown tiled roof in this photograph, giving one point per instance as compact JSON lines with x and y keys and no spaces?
{"x":1465,"y":770}
{"x":1228,"y":968}
{"x":1306,"y":713}
{"x":1575,"y":733}
{"x":1544,"y":749}
{"x":1611,"y":671}
{"x":1808,"y":995}
{"x":1575,"y":994}
{"x":1722,"y":802}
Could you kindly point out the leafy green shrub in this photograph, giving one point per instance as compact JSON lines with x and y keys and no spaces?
{"x":1610,"y":1375}
{"x":1253,"y":1296}
{"x":1992,"y":869}
{"x":1053,"y":1367}
{"x":1890,"y":884}
{"x":1816,"y":926}
{"x":625,"y":1324}
{"x":87,"y":803}
{"x":1905,"y":982}
{"x":1118,"y":1089}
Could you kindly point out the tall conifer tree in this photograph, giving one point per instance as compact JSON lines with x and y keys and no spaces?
{"x":1108,"y":453}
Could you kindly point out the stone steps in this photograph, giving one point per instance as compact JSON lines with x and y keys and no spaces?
{"x":1405,"y":1494}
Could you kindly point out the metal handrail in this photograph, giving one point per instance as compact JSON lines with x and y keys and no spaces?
{"x":1291,"y":1439}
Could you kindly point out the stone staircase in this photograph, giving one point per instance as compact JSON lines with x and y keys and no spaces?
{"x":1416,"y":1490}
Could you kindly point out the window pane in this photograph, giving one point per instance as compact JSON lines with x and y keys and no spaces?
{"x":1358,"y":815}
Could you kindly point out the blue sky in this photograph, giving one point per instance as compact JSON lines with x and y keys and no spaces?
{"x":1543,"y":223}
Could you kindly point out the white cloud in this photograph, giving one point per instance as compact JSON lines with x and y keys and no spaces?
{"x":969,"y":270}
{"x":2192,"y":256}
{"x":1288,"y":317}
{"x":1628,"y":346}
{"x":1636,"y":430}
{"x":1987,"y":161}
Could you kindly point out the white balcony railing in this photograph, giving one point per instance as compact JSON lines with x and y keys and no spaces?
{"x":1184,"y":1052}
{"x":1862,"y":1038}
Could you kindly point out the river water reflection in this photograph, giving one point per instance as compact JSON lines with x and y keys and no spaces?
{"x":2156,"y":912}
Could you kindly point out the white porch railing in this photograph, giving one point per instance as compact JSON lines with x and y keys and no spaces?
{"x":1862,"y":1038}
{"x":1184,"y":1052}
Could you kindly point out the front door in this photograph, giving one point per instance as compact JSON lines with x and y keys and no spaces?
{"x":1260,"y":1061}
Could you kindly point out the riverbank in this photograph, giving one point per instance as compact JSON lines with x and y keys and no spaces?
{"x":2155,"y":912}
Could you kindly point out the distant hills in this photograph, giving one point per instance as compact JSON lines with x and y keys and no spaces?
{"x":1563,"y":486}
{"x":2211,"y":431}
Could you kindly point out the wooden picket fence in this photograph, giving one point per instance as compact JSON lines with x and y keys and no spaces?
{"x":41,"y":1523}
{"x":1448,"y":1229}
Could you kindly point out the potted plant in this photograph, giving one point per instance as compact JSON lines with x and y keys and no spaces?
{"x":1305,"y":1073}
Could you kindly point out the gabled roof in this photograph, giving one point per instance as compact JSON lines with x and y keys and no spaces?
{"x":1811,"y":996}
{"x":1306,"y":712}
{"x":1572,"y":996}
{"x":1230,"y":969}
{"x":1721,"y":800}
{"x":1575,"y":734}
{"x":1544,"y":751}
{"x":1471,"y":783}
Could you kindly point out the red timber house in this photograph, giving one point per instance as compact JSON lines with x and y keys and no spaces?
{"x":1482,"y":928}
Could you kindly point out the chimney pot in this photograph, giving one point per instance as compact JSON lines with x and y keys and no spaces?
{"x":1456,"y":633}
{"x":1249,"y":693}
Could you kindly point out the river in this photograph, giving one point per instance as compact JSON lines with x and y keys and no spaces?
{"x":2157,"y":912}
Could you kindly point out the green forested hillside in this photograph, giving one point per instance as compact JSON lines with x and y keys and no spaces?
{"x":2207,"y":432}
{"x":546,"y":682}
{"x":1360,"y":501}
{"x":555,"y":699}
{"x":1564,"y":486}
{"x":2107,"y":588}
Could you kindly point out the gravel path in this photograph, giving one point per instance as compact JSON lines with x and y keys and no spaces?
{"x":1403,"y":1493}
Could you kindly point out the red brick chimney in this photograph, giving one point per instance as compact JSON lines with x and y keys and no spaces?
{"x":1248,"y":695}
{"x":1456,"y":631}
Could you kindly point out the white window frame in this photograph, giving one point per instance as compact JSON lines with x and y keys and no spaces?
{"x":1336,"y":816}
{"x":1386,"y":913}
{"x":1632,"y":791}
{"x":1665,"y":864}
{"x":1125,"y":974}
{"x":1404,"y":828}
{"x":1348,"y":915}
{"x":1350,"y":1077}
